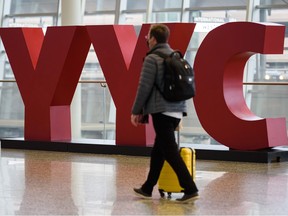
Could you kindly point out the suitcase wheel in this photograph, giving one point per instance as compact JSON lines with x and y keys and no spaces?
{"x":162,"y":194}
{"x":169,"y":195}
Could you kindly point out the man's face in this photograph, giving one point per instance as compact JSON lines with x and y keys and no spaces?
{"x":150,"y":40}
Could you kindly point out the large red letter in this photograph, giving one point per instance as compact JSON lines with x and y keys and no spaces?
{"x":121,"y":56}
{"x":220,"y":104}
{"x":47,"y":70}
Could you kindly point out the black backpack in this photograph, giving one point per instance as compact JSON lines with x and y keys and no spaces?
{"x":178,"y":79}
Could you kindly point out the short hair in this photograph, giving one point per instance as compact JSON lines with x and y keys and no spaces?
{"x":160,"y":32}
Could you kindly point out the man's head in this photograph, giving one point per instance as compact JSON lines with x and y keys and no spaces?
{"x":158,"y":33}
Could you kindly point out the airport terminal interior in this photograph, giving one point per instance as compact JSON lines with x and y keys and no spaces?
{"x":42,"y":182}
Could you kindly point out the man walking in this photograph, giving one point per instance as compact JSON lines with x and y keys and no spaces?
{"x":165,"y":115}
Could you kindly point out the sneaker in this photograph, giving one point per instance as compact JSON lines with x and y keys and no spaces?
{"x":140,"y":193}
{"x":188,"y":197}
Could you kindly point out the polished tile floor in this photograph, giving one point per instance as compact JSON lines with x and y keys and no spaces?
{"x":55,"y":183}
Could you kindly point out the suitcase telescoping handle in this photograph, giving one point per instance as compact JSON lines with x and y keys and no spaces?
{"x":178,"y":133}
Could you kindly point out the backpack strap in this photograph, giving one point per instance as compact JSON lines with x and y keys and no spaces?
{"x":162,"y":55}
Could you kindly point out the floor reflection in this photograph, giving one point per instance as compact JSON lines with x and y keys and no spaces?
{"x":53,"y":183}
{"x":245,"y":194}
{"x":47,"y":188}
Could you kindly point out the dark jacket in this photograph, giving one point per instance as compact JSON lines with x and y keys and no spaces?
{"x":148,"y":98}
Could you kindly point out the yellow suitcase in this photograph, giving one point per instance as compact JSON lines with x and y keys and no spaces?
{"x":168,"y":181}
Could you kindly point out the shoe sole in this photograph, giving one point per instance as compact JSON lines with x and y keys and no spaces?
{"x":142,"y":196}
{"x":188,"y":200}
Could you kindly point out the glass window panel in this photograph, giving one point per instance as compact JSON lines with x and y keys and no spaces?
{"x":225,"y":16}
{"x":270,"y":68}
{"x":31,"y":22}
{"x":99,"y":5}
{"x":92,"y":69}
{"x":136,"y":4}
{"x":273,"y":2}
{"x":33,"y":6}
{"x":276,"y":16}
{"x":237,"y":15}
{"x":274,"y":67}
{"x":270,"y":101}
{"x":217,"y":3}
{"x":99,"y":19}
{"x":11,"y":120}
{"x":134,"y":19}
{"x":8,"y":73}
{"x":166,"y":17}
{"x":208,"y":20}
{"x":163,"y":4}
{"x":98,"y":112}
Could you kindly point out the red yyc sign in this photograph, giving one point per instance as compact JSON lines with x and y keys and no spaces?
{"x":47,"y":69}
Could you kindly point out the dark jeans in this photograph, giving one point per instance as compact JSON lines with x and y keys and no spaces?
{"x":166,"y":148}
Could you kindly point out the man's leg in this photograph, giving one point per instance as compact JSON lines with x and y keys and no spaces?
{"x":165,"y":130}
{"x":156,"y":164}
